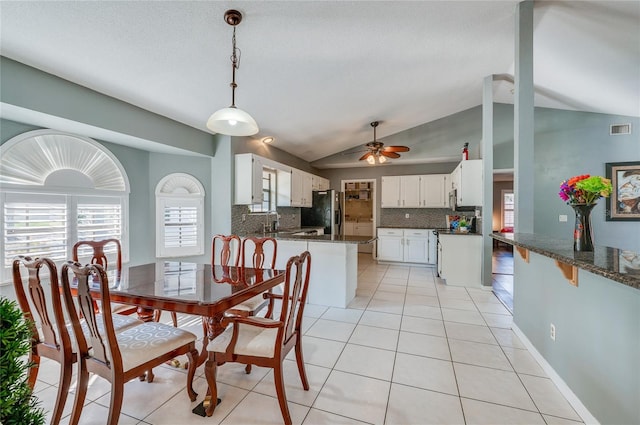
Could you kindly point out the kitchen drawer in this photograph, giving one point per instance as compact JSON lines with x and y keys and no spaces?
{"x":417,"y":232}
{"x":390,"y":232}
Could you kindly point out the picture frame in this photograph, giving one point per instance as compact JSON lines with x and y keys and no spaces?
{"x":624,"y":202}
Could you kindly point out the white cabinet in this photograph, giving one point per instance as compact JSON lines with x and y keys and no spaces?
{"x":294,"y":188}
{"x":415,"y":191}
{"x":410,"y":191}
{"x":349,"y":228}
{"x":460,"y":259}
{"x":248,"y":179}
{"x":390,"y":192}
{"x":435,"y":190}
{"x":319,"y":183}
{"x":400,"y":192}
{"x":416,"y":245}
{"x":390,"y":245}
{"x":407,"y":245}
{"x":467,"y":180}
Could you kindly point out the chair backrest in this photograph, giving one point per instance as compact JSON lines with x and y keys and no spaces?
{"x":225,"y":250}
{"x":296,"y":283}
{"x":99,"y":256}
{"x":54,"y":332}
{"x":102,"y":339}
{"x":258,"y":257}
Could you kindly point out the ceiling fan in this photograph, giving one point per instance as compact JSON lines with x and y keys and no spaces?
{"x":378,"y":151}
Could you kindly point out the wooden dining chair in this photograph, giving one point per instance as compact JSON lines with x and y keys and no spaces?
{"x":115,"y":356}
{"x":266,"y":342}
{"x":99,"y":257}
{"x":225,"y":250}
{"x":53,"y":341}
{"x":253,"y":255}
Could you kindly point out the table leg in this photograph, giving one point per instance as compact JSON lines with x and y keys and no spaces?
{"x":145,"y":314}
{"x":212,"y":327}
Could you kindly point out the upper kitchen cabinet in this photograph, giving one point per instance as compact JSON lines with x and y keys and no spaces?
{"x":390,"y":192}
{"x":248,"y":176}
{"x":319,"y":183}
{"x":435,"y":190}
{"x":400,"y":192}
{"x":466,"y":179}
{"x":295,"y":188}
{"x":415,"y":191}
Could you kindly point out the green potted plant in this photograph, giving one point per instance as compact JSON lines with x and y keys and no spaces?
{"x":462,"y":224}
{"x":18,"y":406}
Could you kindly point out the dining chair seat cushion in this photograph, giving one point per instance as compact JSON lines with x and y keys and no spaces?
{"x":251,"y":304}
{"x":120,"y":323}
{"x":252,"y":340}
{"x":145,"y":342}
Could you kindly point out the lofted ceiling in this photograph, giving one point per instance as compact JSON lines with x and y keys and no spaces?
{"x":314,"y":74}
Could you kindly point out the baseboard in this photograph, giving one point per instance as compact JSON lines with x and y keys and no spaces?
{"x":573,"y":400}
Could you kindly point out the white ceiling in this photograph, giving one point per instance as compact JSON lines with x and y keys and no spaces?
{"x":315,"y":73}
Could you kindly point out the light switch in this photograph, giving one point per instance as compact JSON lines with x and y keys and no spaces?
{"x":562,"y":218}
{"x":406,"y":216}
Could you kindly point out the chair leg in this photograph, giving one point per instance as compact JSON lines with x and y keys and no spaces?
{"x":33,"y":370}
{"x":174,"y":319}
{"x":210,"y":370}
{"x":282,"y":396}
{"x":150,"y":376}
{"x":193,"y":358}
{"x":63,"y":390}
{"x":300,"y":362}
{"x":117,"y":391}
{"x":81,"y":393}
{"x":247,"y":369}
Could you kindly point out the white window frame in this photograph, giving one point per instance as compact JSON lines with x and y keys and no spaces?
{"x":179,"y":189}
{"x":67,"y":154}
{"x":504,"y":209}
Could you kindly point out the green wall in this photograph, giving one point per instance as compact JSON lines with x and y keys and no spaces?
{"x":597,"y":334}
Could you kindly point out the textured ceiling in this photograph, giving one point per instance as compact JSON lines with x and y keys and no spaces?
{"x":314,"y":74}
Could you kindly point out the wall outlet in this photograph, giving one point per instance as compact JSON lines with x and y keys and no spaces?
{"x":553,"y":332}
{"x":562,"y":218}
{"x":406,"y":216}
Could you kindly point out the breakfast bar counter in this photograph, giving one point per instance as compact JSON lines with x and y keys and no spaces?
{"x":579,"y":314}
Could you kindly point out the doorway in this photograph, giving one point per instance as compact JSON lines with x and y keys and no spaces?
{"x":502,"y":255}
{"x":359,"y":212}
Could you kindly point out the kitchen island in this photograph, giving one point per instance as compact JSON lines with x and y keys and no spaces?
{"x":592,"y":301}
{"x":334,"y":263}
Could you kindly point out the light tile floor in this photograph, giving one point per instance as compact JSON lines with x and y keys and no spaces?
{"x":408,"y":350}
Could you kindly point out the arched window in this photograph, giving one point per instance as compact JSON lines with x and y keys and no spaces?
{"x":179,"y":216}
{"x":58,"y":188}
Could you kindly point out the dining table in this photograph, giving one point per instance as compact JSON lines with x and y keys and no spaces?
{"x":183,"y":287}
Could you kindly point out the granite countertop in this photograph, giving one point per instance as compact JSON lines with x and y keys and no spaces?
{"x":613,"y":263}
{"x":455,"y":233}
{"x":405,"y":227}
{"x":288,"y":236}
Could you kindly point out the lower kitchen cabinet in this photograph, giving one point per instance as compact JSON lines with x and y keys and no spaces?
{"x":460,"y":259}
{"x":407,"y":245}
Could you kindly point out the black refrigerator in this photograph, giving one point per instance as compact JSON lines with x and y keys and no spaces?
{"x":326,"y":211}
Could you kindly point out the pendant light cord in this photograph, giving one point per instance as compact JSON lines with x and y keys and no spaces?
{"x":235,"y":64}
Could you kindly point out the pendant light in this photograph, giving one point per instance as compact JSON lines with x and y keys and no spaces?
{"x":232,"y":121}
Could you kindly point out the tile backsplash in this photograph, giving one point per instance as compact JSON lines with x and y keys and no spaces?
{"x":253,"y":222}
{"x":421,"y":218}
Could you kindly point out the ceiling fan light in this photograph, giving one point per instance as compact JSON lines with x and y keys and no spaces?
{"x":232,"y":121}
{"x":382,"y":159}
{"x":371,"y":159}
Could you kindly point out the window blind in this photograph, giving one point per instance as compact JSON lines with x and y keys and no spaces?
{"x":35,"y":229}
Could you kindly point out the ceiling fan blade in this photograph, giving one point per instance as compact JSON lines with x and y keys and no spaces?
{"x":365,"y":156}
{"x":396,"y":149}
{"x":389,"y":154}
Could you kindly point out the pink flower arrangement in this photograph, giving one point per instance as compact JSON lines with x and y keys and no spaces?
{"x":584,"y":189}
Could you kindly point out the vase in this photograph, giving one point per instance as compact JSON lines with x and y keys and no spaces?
{"x":582,"y":234}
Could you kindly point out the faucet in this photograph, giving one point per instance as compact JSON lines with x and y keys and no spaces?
{"x":266,"y":226}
